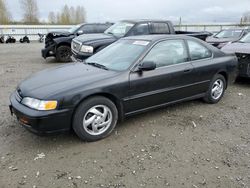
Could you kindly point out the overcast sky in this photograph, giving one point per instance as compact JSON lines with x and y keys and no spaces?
{"x":192,"y":11}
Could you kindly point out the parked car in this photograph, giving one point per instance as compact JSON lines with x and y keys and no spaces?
{"x":130,"y":76}
{"x":225,"y":36}
{"x":86,"y":45}
{"x":242,"y":49}
{"x":25,"y":39}
{"x":57,"y":43}
{"x":10,"y":39}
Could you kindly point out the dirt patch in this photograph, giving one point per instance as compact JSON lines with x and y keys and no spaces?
{"x":192,"y":144}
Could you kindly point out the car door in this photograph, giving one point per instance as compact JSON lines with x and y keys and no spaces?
{"x":171,"y":80}
{"x":204,"y":65}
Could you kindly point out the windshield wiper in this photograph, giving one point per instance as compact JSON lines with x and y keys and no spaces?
{"x":98,"y":65}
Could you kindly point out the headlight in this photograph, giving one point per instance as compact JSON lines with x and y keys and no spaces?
{"x":39,"y":104}
{"x":87,"y":49}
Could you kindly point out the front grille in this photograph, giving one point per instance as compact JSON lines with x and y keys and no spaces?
{"x":75,"y":46}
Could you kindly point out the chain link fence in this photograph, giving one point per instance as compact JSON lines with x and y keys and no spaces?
{"x":32,"y":31}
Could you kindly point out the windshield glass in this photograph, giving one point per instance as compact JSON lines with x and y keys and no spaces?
{"x":119,"y":29}
{"x":120,"y":55}
{"x":74,"y":28}
{"x":229,"y":34}
{"x":246,"y":38}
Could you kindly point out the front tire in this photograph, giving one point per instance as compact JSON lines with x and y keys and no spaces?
{"x":216,"y":89}
{"x":63,"y":54}
{"x":95,"y":119}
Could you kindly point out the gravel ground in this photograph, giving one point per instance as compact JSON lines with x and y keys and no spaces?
{"x":192,"y":144}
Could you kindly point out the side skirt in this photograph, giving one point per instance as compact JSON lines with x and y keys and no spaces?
{"x":165,"y":104}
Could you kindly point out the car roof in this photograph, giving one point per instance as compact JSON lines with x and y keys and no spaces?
{"x":144,"y":20}
{"x":154,"y":38}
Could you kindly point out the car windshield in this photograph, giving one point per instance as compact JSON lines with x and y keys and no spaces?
{"x":74,"y":28}
{"x":119,"y":29}
{"x":229,"y":33}
{"x":120,"y":55}
{"x":246,"y":38}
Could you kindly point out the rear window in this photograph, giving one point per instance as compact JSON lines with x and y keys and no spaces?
{"x":159,"y":28}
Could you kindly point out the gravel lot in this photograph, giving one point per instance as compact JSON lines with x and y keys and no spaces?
{"x":192,"y":144}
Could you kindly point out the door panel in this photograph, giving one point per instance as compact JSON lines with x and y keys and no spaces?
{"x":163,"y":85}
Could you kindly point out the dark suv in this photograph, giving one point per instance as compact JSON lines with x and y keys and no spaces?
{"x":57,"y":43}
{"x":86,"y":45}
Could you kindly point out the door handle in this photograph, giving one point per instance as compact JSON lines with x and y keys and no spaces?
{"x":187,"y":70}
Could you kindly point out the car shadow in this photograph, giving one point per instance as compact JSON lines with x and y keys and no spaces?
{"x":243,"y":81}
{"x":53,"y":60}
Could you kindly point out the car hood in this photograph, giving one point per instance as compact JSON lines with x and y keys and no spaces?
{"x":220,"y":40}
{"x":89,"y":39}
{"x":237,"y":47}
{"x":56,"y":34}
{"x":49,"y":82}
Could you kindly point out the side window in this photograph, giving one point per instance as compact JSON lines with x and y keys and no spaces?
{"x":168,"y":52}
{"x":198,"y":51}
{"x":101,"y":28}
{"x":159,"y":28}
{"x":88,"y":29}
{"x":141,"y":29}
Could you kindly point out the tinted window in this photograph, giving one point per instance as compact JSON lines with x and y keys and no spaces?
{"x":88,"y":28}
{"x":140,"y":29}
{"x":159,"y":28}
{"x":168,"y":53}
{"x":198,"y":51}
{"x":101,"y":28}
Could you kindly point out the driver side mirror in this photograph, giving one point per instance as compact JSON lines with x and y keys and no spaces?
{"x":147,"y":66}
{"x":80,"y":32}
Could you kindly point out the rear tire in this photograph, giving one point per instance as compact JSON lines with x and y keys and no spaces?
{"x":95,"y":119}
{"x":63,"y":54}
{"x":216,"y":89}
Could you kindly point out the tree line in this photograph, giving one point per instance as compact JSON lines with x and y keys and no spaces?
{"x":67,"y":15}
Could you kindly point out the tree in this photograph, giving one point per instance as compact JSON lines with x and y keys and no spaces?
{"x":65,"y":15}
{"x":58,"y":18}
{"x":246,"y":18}
{"x":80,"y":14}
{"x":52,"y":18}
{"x":5,"y":16}
{"x":30,"y":11}
{"x":68,"y":15}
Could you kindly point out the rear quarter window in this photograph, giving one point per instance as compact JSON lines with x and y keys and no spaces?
{"x":198,"y":51}
{"x":159,"y":28}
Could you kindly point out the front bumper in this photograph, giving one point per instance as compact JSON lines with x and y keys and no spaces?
{"x":41,"y":122}
{"x":244,"y":65}
{"x":48,"y":52}
{"x":80,"y":56}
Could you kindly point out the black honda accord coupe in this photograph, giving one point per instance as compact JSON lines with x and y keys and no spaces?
{"x":130,"y":76}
